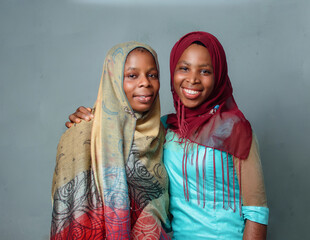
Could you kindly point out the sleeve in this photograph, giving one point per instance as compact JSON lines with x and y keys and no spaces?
{"x":252,"y":186}
{"x":163,"y":120}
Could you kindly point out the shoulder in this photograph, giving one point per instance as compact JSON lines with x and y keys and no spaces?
{"x":78,"y":127}
{"x":76,"y":136}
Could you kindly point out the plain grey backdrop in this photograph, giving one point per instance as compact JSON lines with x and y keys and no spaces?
{"x":51,"y":56}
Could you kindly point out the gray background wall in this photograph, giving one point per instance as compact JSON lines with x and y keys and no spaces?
{"x":51,"y":56}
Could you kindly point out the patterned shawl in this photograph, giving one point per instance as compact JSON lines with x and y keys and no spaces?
{"x":109,"y":180}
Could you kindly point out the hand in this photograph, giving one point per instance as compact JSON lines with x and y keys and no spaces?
{"x":81,"y":113}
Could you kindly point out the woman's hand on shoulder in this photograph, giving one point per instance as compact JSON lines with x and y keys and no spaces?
{"x":82,"y":113}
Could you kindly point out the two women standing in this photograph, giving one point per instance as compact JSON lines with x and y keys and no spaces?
{"x":210,"y":153}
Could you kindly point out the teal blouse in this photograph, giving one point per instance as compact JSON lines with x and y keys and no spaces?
{"x":212,"y":208}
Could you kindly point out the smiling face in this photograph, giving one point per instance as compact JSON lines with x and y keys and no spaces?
{"x":194,"y":76}
{"x":141,"y":81}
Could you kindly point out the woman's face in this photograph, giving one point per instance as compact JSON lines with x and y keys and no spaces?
{"x":141,"y":82}
{"x":194,"y":76}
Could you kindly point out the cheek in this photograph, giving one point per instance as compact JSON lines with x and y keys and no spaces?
{"x":127,"y":88}
{"x":209,"y":82}
{"x":210,"y":85}
{"x":176,"y":78}
{"x":156,"y":87}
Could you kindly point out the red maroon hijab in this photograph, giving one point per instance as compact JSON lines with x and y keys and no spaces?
{"x":218,"y":122}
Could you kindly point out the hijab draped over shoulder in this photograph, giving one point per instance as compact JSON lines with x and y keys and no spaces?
{"x":109,"y":180}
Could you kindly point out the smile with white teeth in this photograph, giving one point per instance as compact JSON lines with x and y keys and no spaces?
{"x":189,"y":91}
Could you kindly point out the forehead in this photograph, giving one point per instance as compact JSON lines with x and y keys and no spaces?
{"x":195,"y":55}
{"x":195,"y":49}
{"x":139,"y":52}
{"x":140,"y":56}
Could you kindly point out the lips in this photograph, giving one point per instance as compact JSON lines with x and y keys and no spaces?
{"x":191,"y":93}
{"x":144,"y":98}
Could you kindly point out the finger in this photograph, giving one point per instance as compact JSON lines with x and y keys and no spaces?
{"x":91,"y":114}
{"x":82,"y":112}
{"x":82,"y":116}
{"x":69,"y":124}
{"x":82,"y":109}
{"x":74,"y":119}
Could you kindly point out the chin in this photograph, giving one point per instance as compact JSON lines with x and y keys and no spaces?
{"x":142,"y":110}
{"x":191,"y":105}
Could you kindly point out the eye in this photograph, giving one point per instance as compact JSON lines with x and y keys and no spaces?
{"x":205,"y":72}
{"x":132,"y":75}
{"x":183,"y":68}
{"x":153,"y":75}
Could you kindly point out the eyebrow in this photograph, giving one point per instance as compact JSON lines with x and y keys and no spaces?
{"x":132,"y":68}
{"x":202,"y":65}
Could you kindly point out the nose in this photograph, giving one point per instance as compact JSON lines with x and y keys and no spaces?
{"x":144,"y":81}
{"x":194,"y":77}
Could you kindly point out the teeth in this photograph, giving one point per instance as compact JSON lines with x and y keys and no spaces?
{"x":190,"y":91}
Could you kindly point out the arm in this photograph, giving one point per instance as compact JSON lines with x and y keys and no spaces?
{"x":254,"y":209}
{"x":81,"y":113}
{"x":254,"y":231}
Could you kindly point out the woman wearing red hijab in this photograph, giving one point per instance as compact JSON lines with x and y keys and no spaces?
{"x":211,"y":154}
